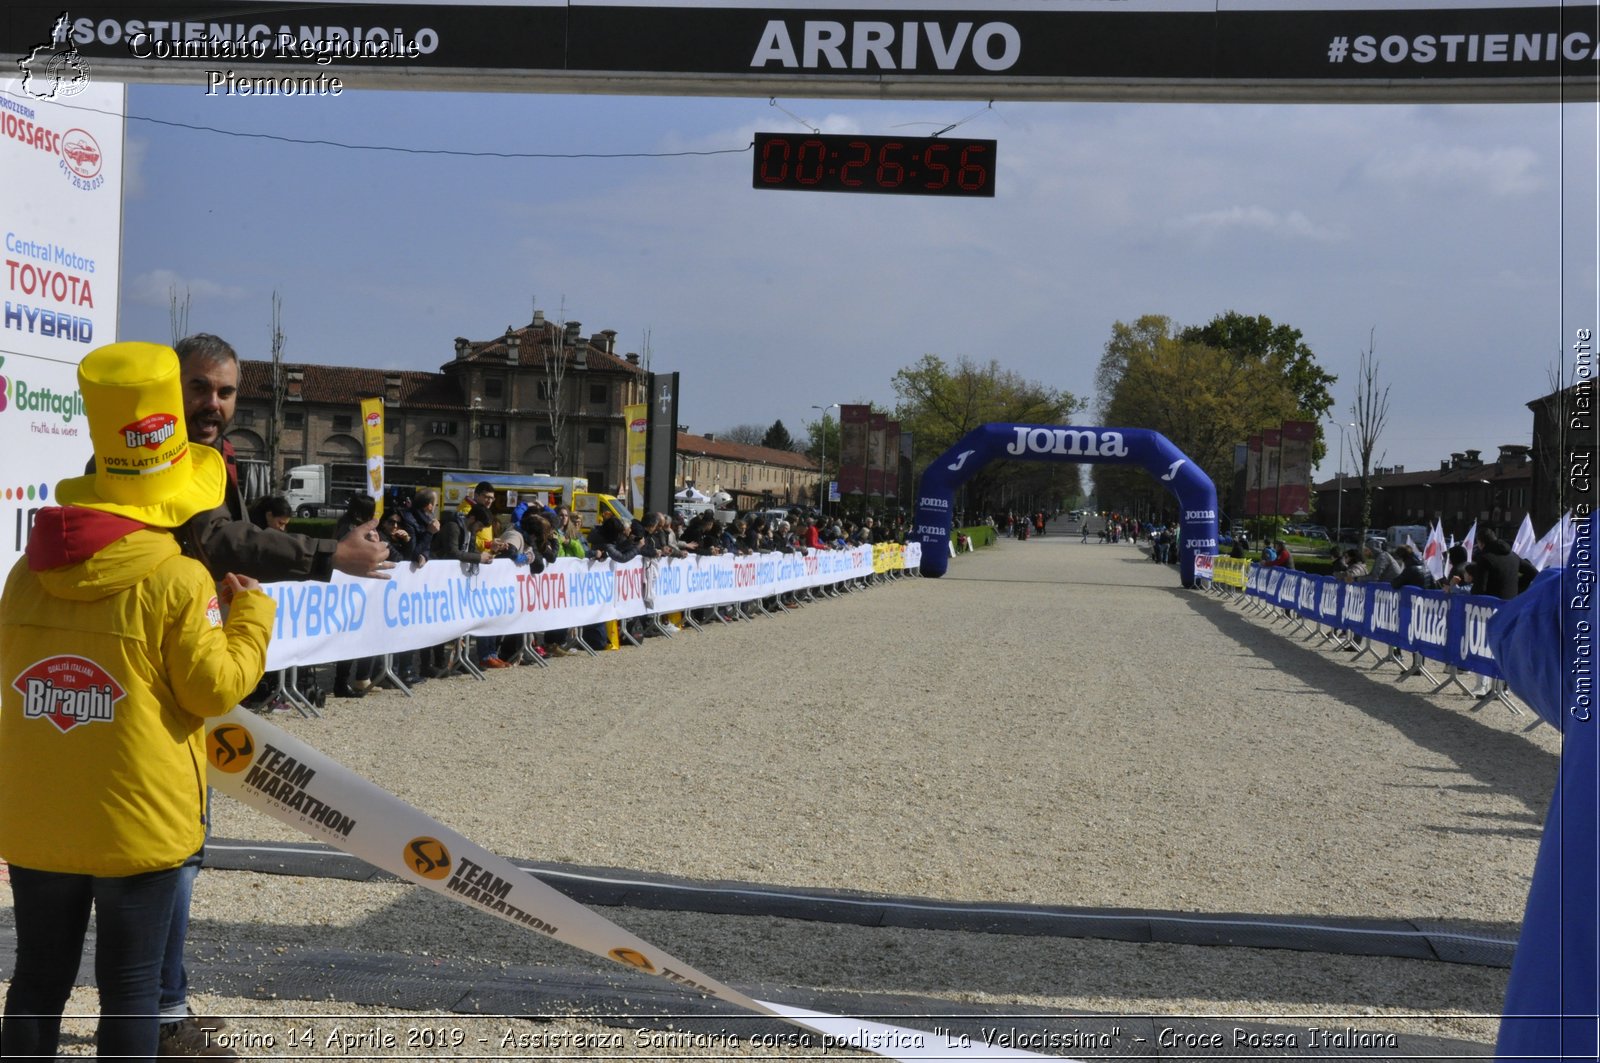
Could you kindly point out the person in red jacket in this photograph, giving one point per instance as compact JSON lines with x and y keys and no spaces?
{"x":113,"y":648}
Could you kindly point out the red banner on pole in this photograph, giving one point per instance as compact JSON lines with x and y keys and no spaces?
{"x":853,"y":449}
{"x":1294,"y":469}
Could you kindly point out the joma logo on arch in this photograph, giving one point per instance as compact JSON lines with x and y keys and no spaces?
{"x":1069,"y":442}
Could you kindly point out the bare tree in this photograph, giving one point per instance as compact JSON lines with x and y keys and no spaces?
{"x":555,"y":376}
{"x":750,"y":434}
{"x":178,"y":312}
{"x":275,"y":429}
{"x":1371,"y":412}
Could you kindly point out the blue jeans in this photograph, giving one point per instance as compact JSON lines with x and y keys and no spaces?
{"x":174,"y":979}
{"x":132,"y":916}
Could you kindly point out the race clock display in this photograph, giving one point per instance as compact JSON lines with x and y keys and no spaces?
{"x":904,"y":166}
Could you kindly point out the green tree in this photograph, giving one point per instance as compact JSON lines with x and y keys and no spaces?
{"x":1281,"y":348}
{"x":778,"y":437}
{"x":1125,"y":339}
{"x":1202,"y":398}
{"x":939,"y":403}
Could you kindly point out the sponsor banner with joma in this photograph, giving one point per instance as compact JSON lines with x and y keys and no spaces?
{"x":1442,"y":626}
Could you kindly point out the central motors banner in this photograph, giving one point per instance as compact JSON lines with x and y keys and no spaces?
{"x":349,"y":617}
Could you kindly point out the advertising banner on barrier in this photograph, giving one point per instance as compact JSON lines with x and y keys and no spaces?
{"x":1451,"y":628}
{"x":1231,"y":571}
{"x":1469,"y":628}
{"x":348,"y":617}
{"x":273,"y":772}
{"x":1355,"y":609}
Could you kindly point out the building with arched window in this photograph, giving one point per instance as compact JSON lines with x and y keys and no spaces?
{"x":538,"y":399}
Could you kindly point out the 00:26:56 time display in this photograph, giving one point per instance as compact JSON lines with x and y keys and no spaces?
{"x":838,"y":163}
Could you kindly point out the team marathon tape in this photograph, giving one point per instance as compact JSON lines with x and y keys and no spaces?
{"x":274,"y":772}
{"x":350,"y":617}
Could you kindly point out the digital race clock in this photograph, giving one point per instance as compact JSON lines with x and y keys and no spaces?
{"x":907,"y":166}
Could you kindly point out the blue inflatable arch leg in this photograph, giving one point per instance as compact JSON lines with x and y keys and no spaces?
{"x":1196,"y":494}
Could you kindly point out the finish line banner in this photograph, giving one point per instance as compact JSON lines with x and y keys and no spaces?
{"x":349,"y":618}
{"x":272,"y":771}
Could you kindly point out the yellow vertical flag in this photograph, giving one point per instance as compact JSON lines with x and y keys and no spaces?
{"x":372,"y":424}
{"x":637,"y":417}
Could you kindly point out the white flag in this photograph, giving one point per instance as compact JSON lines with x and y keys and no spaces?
{"x":1471,"y":541}
{"x":1522,"y":545}
{"x":1552,"y":549}
{"x":1433,"y":552}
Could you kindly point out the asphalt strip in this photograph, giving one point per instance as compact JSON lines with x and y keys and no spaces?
{"x":613,"y":887}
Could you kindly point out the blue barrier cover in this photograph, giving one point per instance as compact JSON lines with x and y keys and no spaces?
{"x":1440,"y":625}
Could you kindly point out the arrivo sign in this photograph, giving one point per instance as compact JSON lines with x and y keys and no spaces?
{"x":906,"y":166}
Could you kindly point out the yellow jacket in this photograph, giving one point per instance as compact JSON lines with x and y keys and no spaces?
{"x":112,"y":649}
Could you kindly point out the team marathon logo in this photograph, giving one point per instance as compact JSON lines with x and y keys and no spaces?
{"x":638,"y":960}
{"x":276,"y":777}
{"x":633,"y":958}
{"x":428,"y":857}
{"x":68,"y":691}
{"x":230,"y":748}
{"x":54,"y":70}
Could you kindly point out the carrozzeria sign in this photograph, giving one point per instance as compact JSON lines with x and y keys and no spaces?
{"x":1046,"y":49}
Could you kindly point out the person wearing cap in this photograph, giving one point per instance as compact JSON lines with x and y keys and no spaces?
{"x":114,"y":648}
{"x":222,"y":536}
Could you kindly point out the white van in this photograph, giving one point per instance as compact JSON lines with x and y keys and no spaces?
{"x":1397,"y":534}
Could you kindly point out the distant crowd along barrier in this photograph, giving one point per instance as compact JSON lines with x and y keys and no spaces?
{"x":1441,"y":626}
{"x":443,"y":600}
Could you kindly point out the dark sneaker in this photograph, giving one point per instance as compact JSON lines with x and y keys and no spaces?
{"x":194,"y":1036}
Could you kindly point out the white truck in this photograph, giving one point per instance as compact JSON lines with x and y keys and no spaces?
{"x":325,"y":490}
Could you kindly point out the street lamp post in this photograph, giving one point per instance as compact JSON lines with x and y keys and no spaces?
{"x":822,"y":459}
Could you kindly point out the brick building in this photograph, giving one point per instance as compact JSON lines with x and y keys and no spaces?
{"x":753,"y":475}
{"x":537,"y":399}
{"x":1465,"y":488}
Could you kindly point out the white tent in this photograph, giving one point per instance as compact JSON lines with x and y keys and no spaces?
{"x":690,"y":494}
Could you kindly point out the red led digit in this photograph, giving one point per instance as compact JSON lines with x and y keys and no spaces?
{"x":972,"y":176}
{"x":936,"y":167}
{"x":845,"y":177}
{"x":766,"y":162}
{"x":800,"y":163}
{"x":890,"y":174}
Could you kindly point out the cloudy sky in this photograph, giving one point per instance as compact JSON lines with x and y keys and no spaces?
{"x":1460,"y":238}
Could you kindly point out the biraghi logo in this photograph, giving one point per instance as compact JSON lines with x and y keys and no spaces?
{"x":150,"y":432}
{"x":68,"y":690}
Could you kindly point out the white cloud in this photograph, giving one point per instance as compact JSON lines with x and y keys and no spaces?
{"x":1499,"y":171}
{"x":155,"y":288}
{"x":1295,"y":224}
